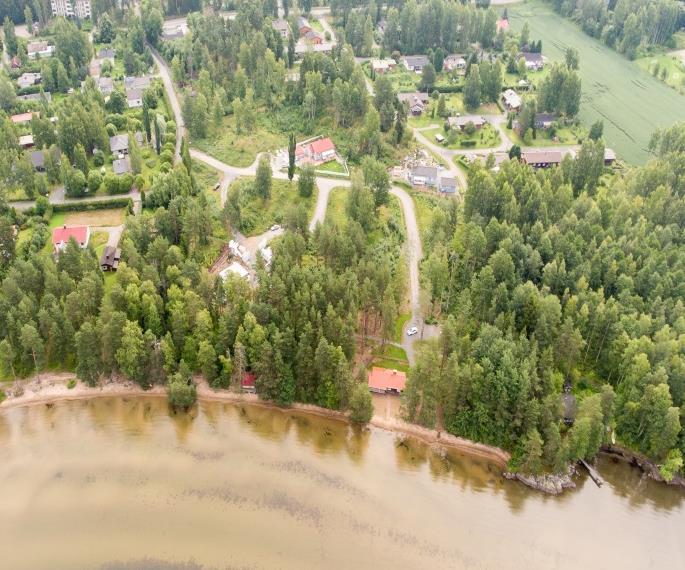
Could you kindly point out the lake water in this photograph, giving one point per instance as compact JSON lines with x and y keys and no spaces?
{"x":120,"y":483}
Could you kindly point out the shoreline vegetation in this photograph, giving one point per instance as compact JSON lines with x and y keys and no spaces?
{"x":51,"y":388}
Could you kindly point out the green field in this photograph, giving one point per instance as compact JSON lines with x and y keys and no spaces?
{"x":671,"y":65}
{"x":631,"y":102}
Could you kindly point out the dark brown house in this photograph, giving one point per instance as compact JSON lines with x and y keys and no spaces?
{"x":110,"y":258}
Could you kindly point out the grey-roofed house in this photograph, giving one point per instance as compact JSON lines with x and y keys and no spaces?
{"x":534,"y":61}
{"x":541,"y":158}
{"x":424,"y":176}
{"x":119,"y":144}
{"x":142,"y":82}
{"x":28,"y":80}
{"x":415,"y":62}
{"x":416,"y":103}
{"x":134,"y":98}
{"x":454,"y":61}
{"x":38,"y":160}
{"x":105,"y":85}
{"x":121,"y":165}
{"x":171,"y":34}
{"x":282,"y":27}
{"x":448,"y":185}
{"x":463,"y":120}
{"x":545,"y":120}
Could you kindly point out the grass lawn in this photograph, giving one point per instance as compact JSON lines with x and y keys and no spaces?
{"x":109,"y":217}
{"x":674,"y":69}
{"x":256,"y":214}
{"x":99,"y":240}
{"x":631,"y":102}
{"x":487,"y":137}
{"x":332,"y":166}
{"x":400,"y":323}
{"x":455,"y":106}
{"x":206,"y":176}
{"x":391,"y":357}
{"x":335,"y":211}
{"x":425,"y":204}
{"x":241,"y":149}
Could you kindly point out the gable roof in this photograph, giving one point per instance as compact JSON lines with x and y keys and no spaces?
{"x":118,"y":142}
{"x":64,"y":234}
{"x":121,"y":165}
{"x":425,"y":171}
{"x":541,"y":156}
{"x":21,"y":118}
{"x":531,"y":57}
{"x":384,"y":378}
{"x":464,"y":120}
{"x":134,"y":94}
{"x":106,"y":53}
{"x":34,"y":47}
{"x":322,"y":145}
{"x":280,"y":25}
{"x":303,"y":22}
{"x":416,"y":60}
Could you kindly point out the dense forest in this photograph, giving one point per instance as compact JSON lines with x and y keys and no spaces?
{"x":562,"y":281}
{"x":626,"y":25}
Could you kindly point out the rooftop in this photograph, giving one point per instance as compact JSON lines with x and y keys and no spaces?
{"x":384,"y":379}
{"x":121,"y":166}
{"x":322,"y":145}
{"x":64,"y":234}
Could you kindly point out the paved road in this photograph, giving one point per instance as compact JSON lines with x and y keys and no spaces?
{"x":57,"y":196}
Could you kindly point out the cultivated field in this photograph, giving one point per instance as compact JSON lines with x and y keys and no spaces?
{"x":631,"y":102}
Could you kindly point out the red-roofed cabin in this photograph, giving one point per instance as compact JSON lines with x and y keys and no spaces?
{"x":322,"y":150}
{"x":386,"y":381}
{"x":61,"y":237}
{"x":22,"y":118}
{"x":248,"y":383}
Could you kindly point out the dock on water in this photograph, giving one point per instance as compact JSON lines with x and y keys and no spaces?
{"x":594,"y":474}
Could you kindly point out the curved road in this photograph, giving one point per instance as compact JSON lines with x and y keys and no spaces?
{"x":325,"y":185}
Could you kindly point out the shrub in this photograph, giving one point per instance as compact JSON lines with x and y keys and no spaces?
{"x":98,"y":158}
{"x":361,"y":405}
{"x":94,"y":181}
{"x":71,"y":384}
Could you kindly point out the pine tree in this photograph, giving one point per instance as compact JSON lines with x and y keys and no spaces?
{"x":263,"y":177}
{"x":292,"y":145}
{"x":89,"y":365}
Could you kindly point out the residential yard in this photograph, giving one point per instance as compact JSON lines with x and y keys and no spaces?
{"x":425,"y":204}
{"x":486,"y":137}
{"x":390,"y":356}
{"x":568,"y":135}
{"x":241,"y":149}
{"x":667,"y":68}
{"x":631,"y":102}
{"x":257,"y":215}
{"x":335,"y":210}
{"x":455,"y":106}
{"x":109,"y":217}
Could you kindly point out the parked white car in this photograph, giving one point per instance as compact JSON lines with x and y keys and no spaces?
{"x":412,"y":331}
{"x":275,"y":228}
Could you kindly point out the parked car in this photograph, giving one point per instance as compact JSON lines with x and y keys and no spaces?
{"x":217,"y":186}
{"x":412,"y":331}
{"x":275,"y":228}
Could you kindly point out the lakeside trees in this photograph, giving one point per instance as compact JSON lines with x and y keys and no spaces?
{"x":555,"y":280}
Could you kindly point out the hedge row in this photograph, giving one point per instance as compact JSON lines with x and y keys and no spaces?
{"x":90,"y":206}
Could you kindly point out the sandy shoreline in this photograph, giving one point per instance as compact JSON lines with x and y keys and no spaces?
{"x":51,"y":388}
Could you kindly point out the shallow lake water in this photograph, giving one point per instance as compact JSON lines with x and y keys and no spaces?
{"x":122,"y":483}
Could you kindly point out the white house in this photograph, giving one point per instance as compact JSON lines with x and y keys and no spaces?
{"x":39,"y":50}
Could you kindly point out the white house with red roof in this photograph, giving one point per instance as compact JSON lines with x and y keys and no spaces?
{"x":315,"y":151}
{"x":61,"y":237}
